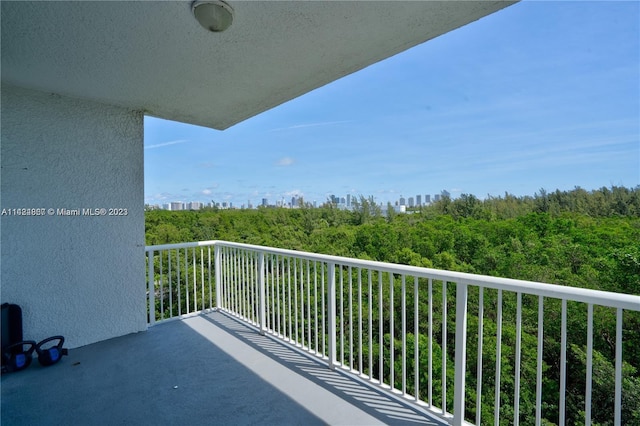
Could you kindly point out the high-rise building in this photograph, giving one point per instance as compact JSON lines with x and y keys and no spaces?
{"x":403,"y":202}
{"x":436,"y":198}
{"x":176,"y":205}
{"x":265,"y":202}
{"x":411,"y":202}
{"x":418,"y":200}
{"x":427,"y":199}
{"x":348,"y":200}
{"x":445,"y":193}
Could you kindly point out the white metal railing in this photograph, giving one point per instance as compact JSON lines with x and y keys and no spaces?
{"x":397,"y":326}
{"x":179,"y":280}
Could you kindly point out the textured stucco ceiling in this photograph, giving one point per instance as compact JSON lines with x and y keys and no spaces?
{"x":154,"y":56}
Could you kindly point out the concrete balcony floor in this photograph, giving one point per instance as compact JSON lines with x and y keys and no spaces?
{"x":206,"y":369}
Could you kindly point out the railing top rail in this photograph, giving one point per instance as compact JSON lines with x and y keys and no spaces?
{"x":161,"y":247}
{"x":596,"y":297}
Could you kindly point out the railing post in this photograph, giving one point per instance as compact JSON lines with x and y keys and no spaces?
{"x":331,"y":320}
{"x":218,"y":270}
{"x":461,"y":354}
{"x":261,"y":283}
{"x":152,"y":288}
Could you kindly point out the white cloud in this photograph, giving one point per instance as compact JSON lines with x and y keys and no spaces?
{"x":301,"y":126}
{"x":285,"y":161}
{"x":294,"y":193}
{"x":159,"y":145}
{"x":209,"y":190}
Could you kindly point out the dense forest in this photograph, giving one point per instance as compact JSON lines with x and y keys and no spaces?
{"x":588,"y":239}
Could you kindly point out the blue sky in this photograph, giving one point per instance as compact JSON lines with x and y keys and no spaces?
{"x":539,"y":95}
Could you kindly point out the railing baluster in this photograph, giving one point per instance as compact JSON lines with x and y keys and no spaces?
{"x":460,"y":354}
{"x":152,"y":289}
{"x":404,"y":335}
{"x":350,"y":319}
{"x":255,"y":280}
{"x":161,"y":254}
{"x":240,"y":299}
{"x":295,"y":297}
{"x":195,"y":281}
{"x":324,"y":332}
{"x":267,"y":293}
{"x":239,"y":293}
{"x":247,"y":282}
{"x":242,"y":295}
{"x":479,"y":356}
{"x":360,"y":366}
{"x":416,"y":339}
{"x":380,"y":329}
{"x":563,"y":363}
{"x":209,"y":278}
{"x":226,"y":281}
{"x":308,"y":307}
{"x":231,"y":278}
{"x":516,"y":391}
{"x":261,"y":284}
{"x":289,"y":296}
{"x":430,"y":342}
{"x":391,"y":343}
{"x":217,"y":267}
{"x":246,"y":289}
{"x":332,"y":314}
{"x":179,"y":282}
{"x":247,"y":286}
{"x":186,"y":278}
{"x":170,"y":284}
{"x":315,"y":302}
{"x":278,"y":297}
{"x":589,"y":377}
{"x":370,"y":297}
{"x":235,"y":273}
{"x":539,"y":361}
{"x":302,"y":305}
{"x":617,"y":419}
{"x":496,"y":402}
{"x":341,"y":293}
{"x":444,"y":346}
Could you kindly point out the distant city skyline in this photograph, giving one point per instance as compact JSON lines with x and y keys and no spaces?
{"x":537,"y":95}
{"x":347,"y":201}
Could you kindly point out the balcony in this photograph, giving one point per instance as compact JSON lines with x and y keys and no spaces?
{"x":205,"y":369}
{"x":274,"y":336}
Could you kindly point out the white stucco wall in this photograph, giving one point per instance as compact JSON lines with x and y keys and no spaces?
{"x":79,"y":276}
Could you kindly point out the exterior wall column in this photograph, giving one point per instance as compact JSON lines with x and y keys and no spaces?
{"x":75,"y":269}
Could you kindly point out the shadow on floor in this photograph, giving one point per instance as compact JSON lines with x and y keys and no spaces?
{"x":375,"y":402}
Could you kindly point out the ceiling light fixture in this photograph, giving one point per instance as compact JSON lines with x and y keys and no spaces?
{"x":213,"y":15}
